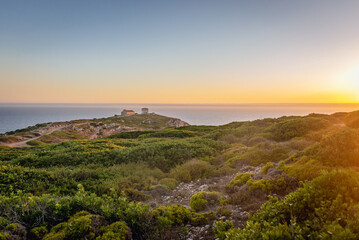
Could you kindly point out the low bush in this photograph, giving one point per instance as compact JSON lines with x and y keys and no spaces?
{"x":298,"y":127}
{"x":35,"y":143}
{"x":240,"y":179}
{"x":80,"y":226}
{"x":169,"y":183}
{"x":169,"y":133}
{"x":259,"y":154}
{"x":266,"y":167}
{"x":326,"y":208}
{"x":192,"y":170}
{"x":115,"y":231}
{"x":221,"y":227}
{"x":339,"y":149}
{"x":201,"y":200}
{"x":37,"y":233}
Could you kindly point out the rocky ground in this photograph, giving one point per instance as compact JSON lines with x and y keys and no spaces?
{"x":238,"y":213}
{"x":182,"y":195}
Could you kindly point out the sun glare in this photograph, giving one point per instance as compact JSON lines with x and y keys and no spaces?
{"x":348,"y":83}
{"x":353,"y":78}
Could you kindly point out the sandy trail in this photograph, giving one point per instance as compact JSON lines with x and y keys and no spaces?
{"x":24,"y":143}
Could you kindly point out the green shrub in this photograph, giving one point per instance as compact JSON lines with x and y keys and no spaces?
{"x":264,"y":185}
{"x":169,"y":183}
{"x":298,"y":127}
{"x":221,"y":227}
{"x":33,"y":211}
{"x":130,"y":134}
{"x":340,"y":148}
{"x":192,"y":170}
{"x":304,"y":169}
{"x":240,"y":179}
{"x":38,"y":233}
{"x":35,"y":143}
{"x":172,"y":215}
{"x":80,"y":226}
{"x":224,"y":211}
{"x":326,"y":208}
{"x":266,"y":167}
{"x":169,"y":133}
{"x":3,"y":222}
{"x":13,"y":231}
{"x":201,"y":200}
{"x":115,"y":231}
{"x":198,"y":201}
{"x":256,"y":155}
{"x":199,"y":219}
{"x":159,"y":153}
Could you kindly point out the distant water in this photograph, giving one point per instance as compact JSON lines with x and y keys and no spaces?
{"x":16,"y":116}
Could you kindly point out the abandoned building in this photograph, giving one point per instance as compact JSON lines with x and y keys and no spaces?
{"x":144,"y":110}
{"x":126,"y":112}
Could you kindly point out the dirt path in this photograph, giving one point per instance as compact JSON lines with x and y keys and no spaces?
{"x":24,"y":143}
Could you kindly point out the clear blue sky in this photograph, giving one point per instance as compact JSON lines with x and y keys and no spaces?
{"x":179,"y":51}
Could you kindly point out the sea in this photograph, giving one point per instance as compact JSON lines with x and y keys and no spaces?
{"x":20,"y":115}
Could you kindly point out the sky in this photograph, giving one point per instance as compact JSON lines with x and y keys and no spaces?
{"x":201,"y":51}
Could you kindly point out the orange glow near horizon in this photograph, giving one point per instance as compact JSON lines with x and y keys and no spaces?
{"x":164,"y":52}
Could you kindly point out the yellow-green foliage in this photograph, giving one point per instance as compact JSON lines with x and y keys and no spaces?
{"x":304,"y":169}
{"x":224,"y":211}
{"x":34,"y":143}
{"x":3,"y":222}
{"x":38,"y":184}
{"x":193,"y":170}
{"x":13,"y":231}
{"x":201,"y":200}
{"x":240,"y":179}
{"x":81,"y":226}
{"x":221,"y":227}
{"x":325,"y":208}
{"x":266,"y":167}
{"x":198,"y":201}
{"x":4,"y":236}
{"x":38,"y":233}
{"x":198,"y":219}
{"x":115,"y":231}
{"x":172,"y":215}
{"x":264,"y":185}
{"x":78,"y":227}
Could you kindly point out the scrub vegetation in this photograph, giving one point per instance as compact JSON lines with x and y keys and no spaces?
{"x":285,"y":178}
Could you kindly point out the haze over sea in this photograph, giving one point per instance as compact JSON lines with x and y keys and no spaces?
{"x":16,"y":116}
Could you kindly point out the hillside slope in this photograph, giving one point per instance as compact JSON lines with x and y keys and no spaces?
{"x":57,"y":132}
{"x":284,"y":178}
